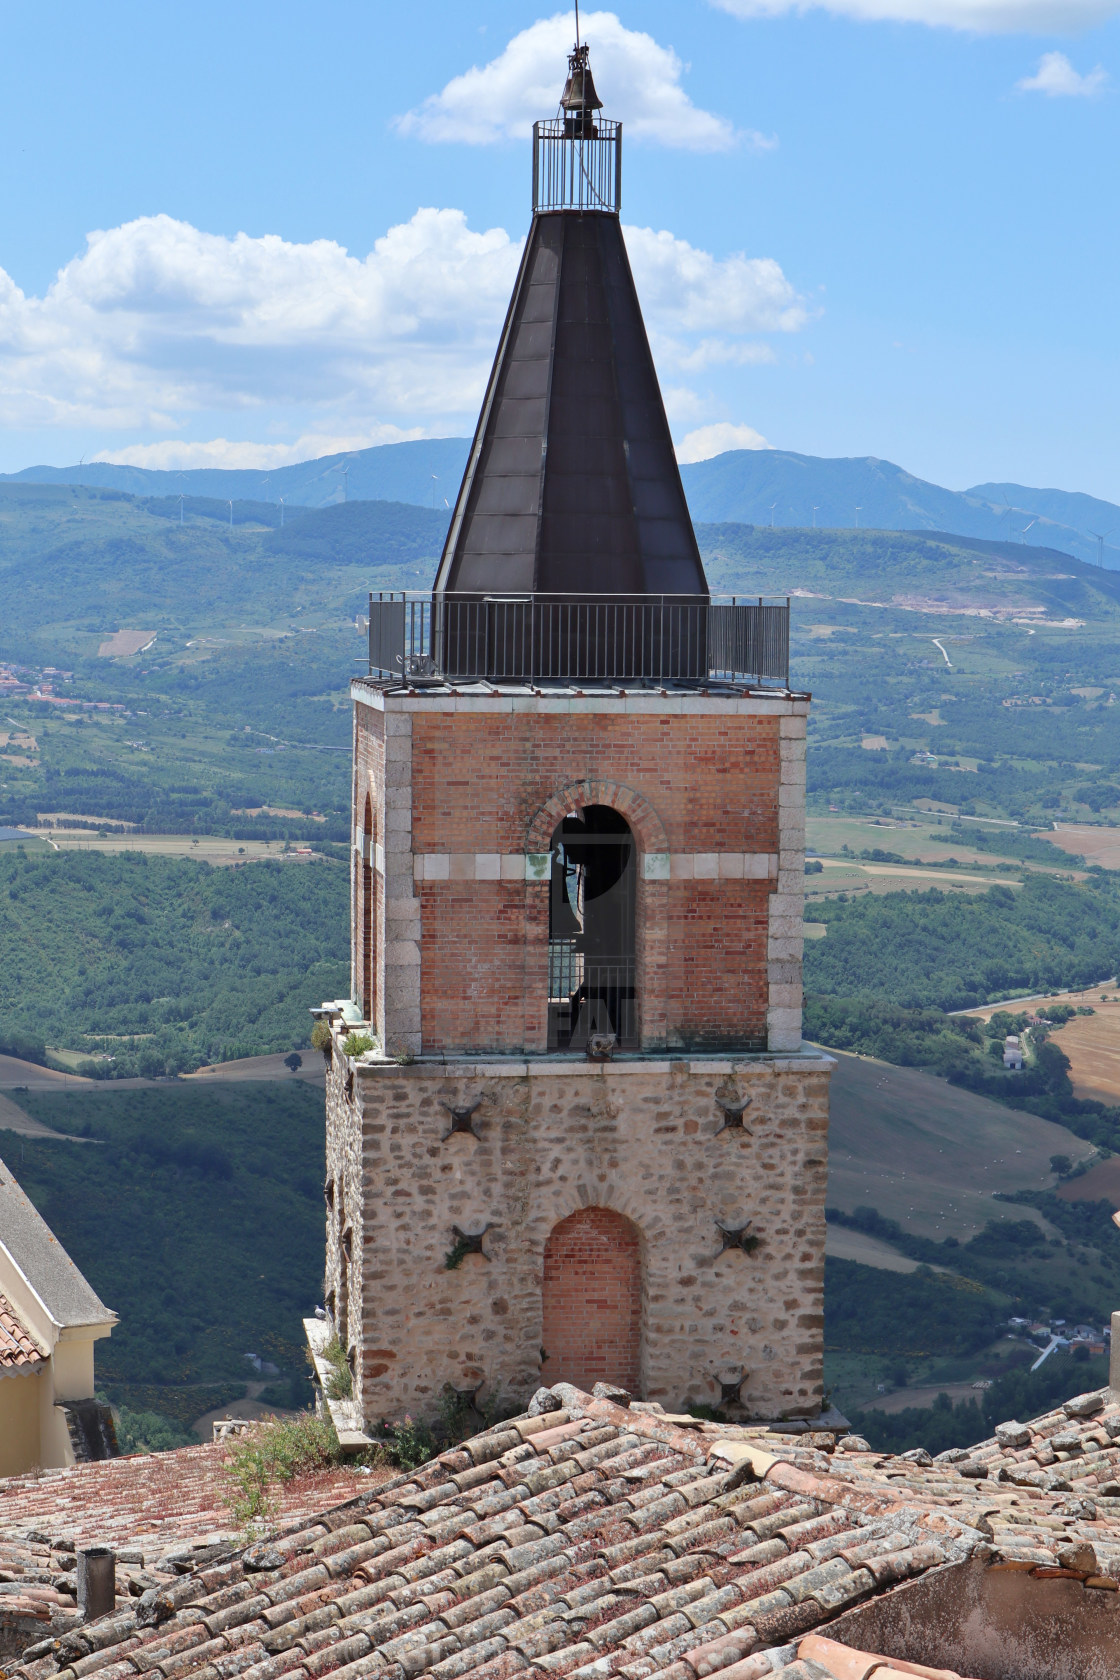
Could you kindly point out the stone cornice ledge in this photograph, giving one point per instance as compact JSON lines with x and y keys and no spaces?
{"x":538,"y":1067}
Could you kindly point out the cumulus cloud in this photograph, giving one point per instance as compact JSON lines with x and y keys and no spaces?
{"x":699,"y":293}
{"x":1057,"y":78}
{"x":1042,"y":17}
{"x":707,"y":441}
{"x":174,"y":454}
{"x":156,"y":323}
{"x":638,"y":80}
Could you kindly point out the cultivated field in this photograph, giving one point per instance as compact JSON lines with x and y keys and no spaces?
{"x":1096,"y":845}
{"x":125,"y":642}
{"x":1100,"y":1184}
{"x":204,"y":848}
{"x":1092,"y":1042}
{"x":839,"y":875}
{"x":929,"y":1154}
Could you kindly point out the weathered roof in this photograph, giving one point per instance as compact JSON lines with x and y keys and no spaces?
{"x":39,"y":1256}
{"x":595,"y":1541}
{"x":19,"y":1352}
{"x":163,"y":1513}
{"x":572,"y":484}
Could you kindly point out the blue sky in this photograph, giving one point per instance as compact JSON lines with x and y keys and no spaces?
{"x":854,"y":229}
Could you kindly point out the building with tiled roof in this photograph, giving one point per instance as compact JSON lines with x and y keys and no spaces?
{"x":50,"y":1319}
{"x":591,"y":1540}
{"x":162,"y":1513}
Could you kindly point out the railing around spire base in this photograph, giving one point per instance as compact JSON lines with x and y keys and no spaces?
{"x":574,"y":639}
{"x":577,"y":165}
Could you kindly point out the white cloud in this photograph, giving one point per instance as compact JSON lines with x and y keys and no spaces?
{"x":156,"y":330}
{"x":638,"y":81}
{"x":177,"y":453}
{"x":707,"y":441}
{"x":1043,"y":17}
{"x":694,"y":291}
{"x":1057,"y":78}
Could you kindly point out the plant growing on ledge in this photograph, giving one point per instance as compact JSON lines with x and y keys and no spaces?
{"x":340,"y":1383}
{"x":456,"y":1254}
{"x":356,"y":1044}
{"x":321,"y":1038}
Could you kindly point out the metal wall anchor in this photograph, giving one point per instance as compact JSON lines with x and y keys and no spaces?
{"x":461,"y":1119}
{"x":739,"y":1237}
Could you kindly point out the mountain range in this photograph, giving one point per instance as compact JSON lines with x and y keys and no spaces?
{"x":752,"y":487}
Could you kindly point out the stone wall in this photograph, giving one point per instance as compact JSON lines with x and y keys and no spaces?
{"x":643,"y":1137}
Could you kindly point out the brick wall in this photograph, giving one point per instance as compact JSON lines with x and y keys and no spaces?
{"x":592,"y":1301}
{"x":478,"y":781}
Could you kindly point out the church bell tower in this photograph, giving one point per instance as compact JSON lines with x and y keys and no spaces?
{"x":588,"y":1143}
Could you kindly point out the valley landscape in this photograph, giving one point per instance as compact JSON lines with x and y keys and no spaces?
{"x":175,"y":798}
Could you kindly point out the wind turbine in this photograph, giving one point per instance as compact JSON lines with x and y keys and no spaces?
{"x":346,"y":482}
{"x":1026,"y":528}
{"x":1100,"y":536}
{"x":281,"y":513}
{"x":182,"y":499}
{"x":231,"y":516}
{"x":816,"y":510}
{"x":773,"y":505}
{"x":859,"y":510}
{"x":435,"y":476}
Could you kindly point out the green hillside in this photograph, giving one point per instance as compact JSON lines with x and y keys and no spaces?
{"x":154,"y":965}
{"x":197,"y":1215}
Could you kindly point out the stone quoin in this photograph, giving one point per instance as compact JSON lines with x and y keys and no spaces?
{"x":588,"y":1143}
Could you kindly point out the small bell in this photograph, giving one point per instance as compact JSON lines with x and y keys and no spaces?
{"x":579,"y":100}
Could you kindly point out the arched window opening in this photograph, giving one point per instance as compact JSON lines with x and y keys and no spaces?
{"x":369,"y":1002}
{"x":591,"y":1322}
{"x":591,"y":930}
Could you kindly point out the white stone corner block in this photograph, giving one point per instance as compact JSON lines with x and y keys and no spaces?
{"x":655,"y":866}
{"x":487,"y":866}
{"x":538,"y":866}
{"x":513,"y":866}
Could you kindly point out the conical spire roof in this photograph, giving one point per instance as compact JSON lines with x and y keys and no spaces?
{"x":572,"y":485}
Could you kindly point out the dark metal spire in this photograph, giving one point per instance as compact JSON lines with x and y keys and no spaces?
{"x":572,"y":483}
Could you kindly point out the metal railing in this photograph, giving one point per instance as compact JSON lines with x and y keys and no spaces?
{"x":577,"y":166}
{"x":589,"y":994}
{"x":573,"y":639}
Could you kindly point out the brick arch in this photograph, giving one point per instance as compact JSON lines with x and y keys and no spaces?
{"x":648,"y":829}
{"x":592,"y":1300}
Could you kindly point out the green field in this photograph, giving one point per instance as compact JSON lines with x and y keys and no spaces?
{"x":151,"y":965}
{"x":197,"y":1215}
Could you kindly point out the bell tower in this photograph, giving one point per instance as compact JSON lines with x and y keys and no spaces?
{"x":588,"y":1143}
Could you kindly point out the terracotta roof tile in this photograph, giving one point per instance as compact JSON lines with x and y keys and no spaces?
{"x":607,"y":1543}
{"x":19,"y":1350}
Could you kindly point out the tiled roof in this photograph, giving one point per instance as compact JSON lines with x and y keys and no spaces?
{"x":162,"y":1513}
{"x":587,"y":1542}
{"x":18,"y":1350}
{"x":594,"y":1541}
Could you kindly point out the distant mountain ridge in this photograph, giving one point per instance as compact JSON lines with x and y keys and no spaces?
{"x":743,"y":486}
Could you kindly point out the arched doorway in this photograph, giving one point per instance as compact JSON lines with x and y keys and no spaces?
{"x":592,"y":1318}
{"x":591,"y":930}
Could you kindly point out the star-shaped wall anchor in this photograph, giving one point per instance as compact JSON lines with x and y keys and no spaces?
{"x":461,"y":1118}
{"x":733,"y":1111}
{"x":738,"y":1237}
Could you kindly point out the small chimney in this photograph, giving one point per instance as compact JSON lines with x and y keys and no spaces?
{"x":97,"y":1582}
